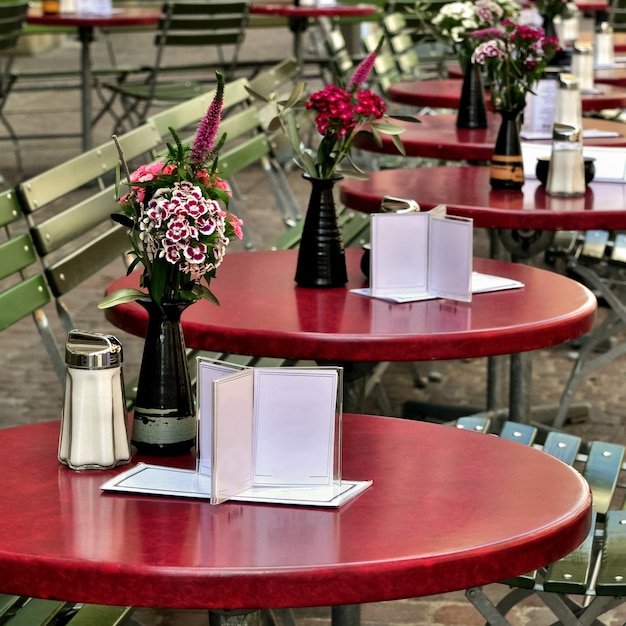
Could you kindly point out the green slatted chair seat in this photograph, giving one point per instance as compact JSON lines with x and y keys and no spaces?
{"x":591,"y":580}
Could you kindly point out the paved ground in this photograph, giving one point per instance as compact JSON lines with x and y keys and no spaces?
{"x":30,"y":392}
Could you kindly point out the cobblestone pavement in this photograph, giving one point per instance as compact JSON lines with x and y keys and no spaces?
{"x":29,"y":391}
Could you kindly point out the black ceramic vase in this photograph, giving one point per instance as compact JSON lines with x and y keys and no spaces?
{"x":472,"y":107}
{"x":321,"y":258}
{"x":164,"y":421}
{"x":507,"y":166}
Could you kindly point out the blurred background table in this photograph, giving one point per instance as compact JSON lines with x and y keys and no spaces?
{"x":437,"y":137}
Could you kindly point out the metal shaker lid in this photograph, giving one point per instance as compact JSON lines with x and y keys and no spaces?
{"x":86,"y":350}
{"x":583,"y":48}
{"x":566,"y":132}
{"x":604,"y":27}
{"x":568,"y":81}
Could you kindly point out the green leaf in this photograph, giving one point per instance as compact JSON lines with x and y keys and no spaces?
{"x":295,"y":95}
{"x":406,"y":118}
{"x":120,"y":297}
{"x":388,"y":128}
{"x":256,"y":94}
{"x":124,"y":220}
{"x":397,"y":142}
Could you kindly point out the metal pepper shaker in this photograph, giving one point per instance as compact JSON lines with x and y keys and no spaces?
{"x":604,"y":49}
{"x":568,"y":109}
{"x":94,"y":432}
{"x":566,"y":176}
{"x":582,"y":65}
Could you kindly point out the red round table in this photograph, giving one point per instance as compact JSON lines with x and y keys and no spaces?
{"x":299,"y":16}
{"x":263,"y":313}
{"x":85,"y":23}
{"x":466,"y":192}
{"x":437,"y":137}
{"x":448,"y":509}
{"x":446,"y":93}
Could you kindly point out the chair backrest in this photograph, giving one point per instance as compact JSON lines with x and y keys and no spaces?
{"x":68,"y":209}
{"x":616,"y":15}
{"x":23,"y":288}
{"x":399,"y":36}
{"x":216,"y":23}
{"x":12,"y":20}
{"x":339,"y":57}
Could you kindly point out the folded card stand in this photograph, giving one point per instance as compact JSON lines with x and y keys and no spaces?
{"x":264,"y":435}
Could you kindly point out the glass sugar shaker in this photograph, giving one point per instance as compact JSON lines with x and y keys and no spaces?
{"x":582,"y":65}
{"x":568,"y":108}
{"x":566,"y":176}
{"x":94,"y":432}
{"x":604,"y":49}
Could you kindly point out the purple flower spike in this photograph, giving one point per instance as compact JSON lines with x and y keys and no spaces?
{"x":204,"y":141}
{"x":364,"y":68}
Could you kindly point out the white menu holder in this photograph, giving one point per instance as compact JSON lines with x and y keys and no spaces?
{"x":539,"y":111}
{"x":419,"y":255}
{"x":264,"y":435}
{"x":94,"y":7}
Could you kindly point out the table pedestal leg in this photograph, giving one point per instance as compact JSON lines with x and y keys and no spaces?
{"x":519,"y":387}
{"x":348,"y":615}
{"x":234,"y":618}
{"x":85,"y":34}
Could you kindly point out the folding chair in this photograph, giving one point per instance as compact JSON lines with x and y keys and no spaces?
{"x":216,"y":25}
{"x":68,"y":210}
{"x":12,"y":20}
{"x":589,"y":581}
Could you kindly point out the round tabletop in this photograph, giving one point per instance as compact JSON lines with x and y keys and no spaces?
{"x":263,"y":313}
{"x":448,"y":509}
{"x":446,"y":93}
{"x":466,"y":192}
{"x":135,"y":16}
{"x":437,"y":137}
{"x":314,"y":10}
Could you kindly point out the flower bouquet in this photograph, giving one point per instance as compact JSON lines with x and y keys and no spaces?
{"x":179,"y":228}
{"x":514,"y":58}
{"x":454,"y":24}
{"x":340,"y":114}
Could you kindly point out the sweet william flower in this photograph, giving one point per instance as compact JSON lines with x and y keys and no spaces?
{"x":340,"y":114}
{"x":515,"y":57}
{"x":177,"y":225}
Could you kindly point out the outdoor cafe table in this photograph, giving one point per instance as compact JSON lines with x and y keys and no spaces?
{"x":466,"y":192}
{"x":449,"y":509}
{"x":86,"y":23}
{"x":437,"y":137}
{"x":445,"y":93}
{"x":263,"y":313}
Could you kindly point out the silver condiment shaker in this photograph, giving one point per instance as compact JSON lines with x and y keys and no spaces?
{"x":582,"y":65}
{"x":94,"y":432}
{"x":568,"y":109}
{"x":604,"y":50}
{"x":566,"y":176}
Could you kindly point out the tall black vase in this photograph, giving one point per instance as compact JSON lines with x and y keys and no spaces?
{"x":164,"y":421}
{"x":321,"y":258}
{"x":507,"y":166}
{"x":472,"y":108}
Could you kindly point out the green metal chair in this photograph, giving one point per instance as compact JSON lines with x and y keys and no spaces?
{"x":217,"y":26}
{"x":68,"y":210}
{"x":589,"y":581}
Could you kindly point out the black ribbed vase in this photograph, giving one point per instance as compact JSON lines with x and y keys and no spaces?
{"x":472,"y":107}
{"x":507,"y":165}
{"x":164,"y":421}
{"x":321,"y":258}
